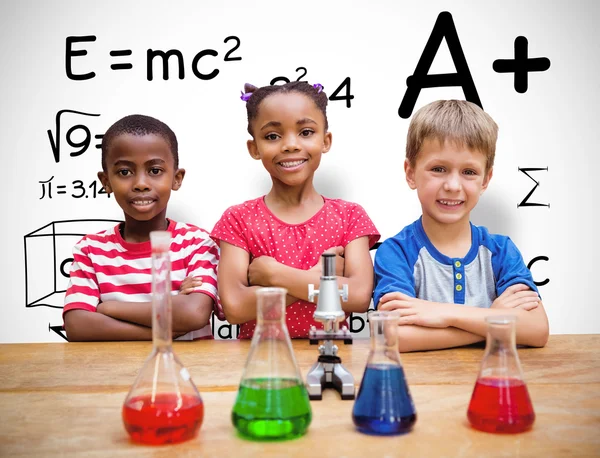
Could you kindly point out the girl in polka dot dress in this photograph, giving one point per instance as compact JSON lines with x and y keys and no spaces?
{"x":278,"y":239}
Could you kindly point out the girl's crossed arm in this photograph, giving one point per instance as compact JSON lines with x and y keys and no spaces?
{"x":357,"y":273}
{"x":238,"y":298}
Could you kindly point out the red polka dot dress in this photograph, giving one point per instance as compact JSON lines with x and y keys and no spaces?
{"x":252,"y":227}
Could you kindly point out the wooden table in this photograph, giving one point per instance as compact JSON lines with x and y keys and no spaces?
{"x":65,"y":400}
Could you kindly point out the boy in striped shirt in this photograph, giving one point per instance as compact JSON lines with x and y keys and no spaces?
{"x":109,"y":293}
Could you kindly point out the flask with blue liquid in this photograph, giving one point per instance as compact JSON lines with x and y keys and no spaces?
{"x":384,"y":405}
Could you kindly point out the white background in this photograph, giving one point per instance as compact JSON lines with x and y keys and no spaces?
{"x":378,"y":45}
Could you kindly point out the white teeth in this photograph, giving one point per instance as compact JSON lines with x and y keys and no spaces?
{"x":142,"y":202}
{"x":291,"y":163}
{"x":451,"y":203}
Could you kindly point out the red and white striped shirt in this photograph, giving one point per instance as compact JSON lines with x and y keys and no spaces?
{"x":107,"y":268}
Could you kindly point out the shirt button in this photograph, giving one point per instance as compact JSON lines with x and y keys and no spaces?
{"x":458,"y":275}
{"x":457,"y":263}
{"x":458,"y":287}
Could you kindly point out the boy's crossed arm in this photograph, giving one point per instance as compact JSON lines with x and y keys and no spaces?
{"x":426,"y":325}
{"x":190,"y":311}
{"x":86,"y":326}
{"x":120,"y":320}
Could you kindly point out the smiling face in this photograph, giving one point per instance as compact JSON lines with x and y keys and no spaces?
{"x":289,"y":138}
{"x":449,"y":179}
{"x":140,"y":173}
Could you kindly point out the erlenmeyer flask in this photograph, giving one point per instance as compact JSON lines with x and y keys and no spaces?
{"x":384,"y":404}
{"x":500,"y":402}
{"x":272,"y":401}
{"x":163,"y":405}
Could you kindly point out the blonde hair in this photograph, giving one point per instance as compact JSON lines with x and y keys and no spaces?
{"x":456,"y":120}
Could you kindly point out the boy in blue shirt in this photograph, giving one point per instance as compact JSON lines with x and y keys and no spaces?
{"x":442,"y":274}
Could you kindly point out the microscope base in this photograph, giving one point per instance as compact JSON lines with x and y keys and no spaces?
{"x":329,"y":372}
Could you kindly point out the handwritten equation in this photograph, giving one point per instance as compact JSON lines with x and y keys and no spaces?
{"x":81,"y":145}
{"x":521,"y":65}
{"x":335,"y":96}
{"x":77,"y":189}
{"x":161,"y":56}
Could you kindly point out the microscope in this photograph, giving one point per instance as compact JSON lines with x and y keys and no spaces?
{"x":328,"y":371}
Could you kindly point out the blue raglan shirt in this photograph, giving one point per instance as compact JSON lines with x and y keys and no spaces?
{"x":409,"y":263}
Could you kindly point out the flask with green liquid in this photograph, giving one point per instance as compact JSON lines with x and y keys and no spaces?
{"x":272,"y":402}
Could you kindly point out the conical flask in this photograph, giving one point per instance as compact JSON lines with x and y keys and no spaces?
{"x":163,"y":405}
{"x":272,"y":401}
{"x":384,"y":405}
{"x":500,"y":401}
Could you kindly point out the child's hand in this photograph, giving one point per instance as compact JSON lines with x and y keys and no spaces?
{"x":260,"y":271}
{"x":189,"y":284}
{"x":339,"y":261}
{"x":416,"y":311}
{"x":518,"y":295}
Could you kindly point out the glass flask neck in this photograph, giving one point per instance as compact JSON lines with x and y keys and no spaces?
{"x":271,"y":355}
{"x":501,"y":334}
{"x":384,"y":338}
{"x":161,"y":292}
{"x":500,"y":358}
{"x":270,"y":306}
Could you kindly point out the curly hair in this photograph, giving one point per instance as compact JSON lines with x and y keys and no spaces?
{"x":139,"y":125}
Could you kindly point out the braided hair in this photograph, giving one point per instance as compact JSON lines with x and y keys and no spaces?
{"x":254,"y":96}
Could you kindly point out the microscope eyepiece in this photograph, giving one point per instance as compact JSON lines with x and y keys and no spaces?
{"x":328,"y":265}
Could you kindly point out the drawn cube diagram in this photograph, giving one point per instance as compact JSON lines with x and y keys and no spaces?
{"x":48,"y":255}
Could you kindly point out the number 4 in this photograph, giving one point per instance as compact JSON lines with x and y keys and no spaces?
{"x":103,"y":191}
{"x":348,"y":97}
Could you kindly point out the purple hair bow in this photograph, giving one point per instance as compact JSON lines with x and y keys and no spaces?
{"x":245,"y":96}
{"x":318,"y":87}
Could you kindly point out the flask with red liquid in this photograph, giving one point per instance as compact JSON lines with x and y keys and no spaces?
{"x":500,"y":402}
{"x":163,"y":405}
